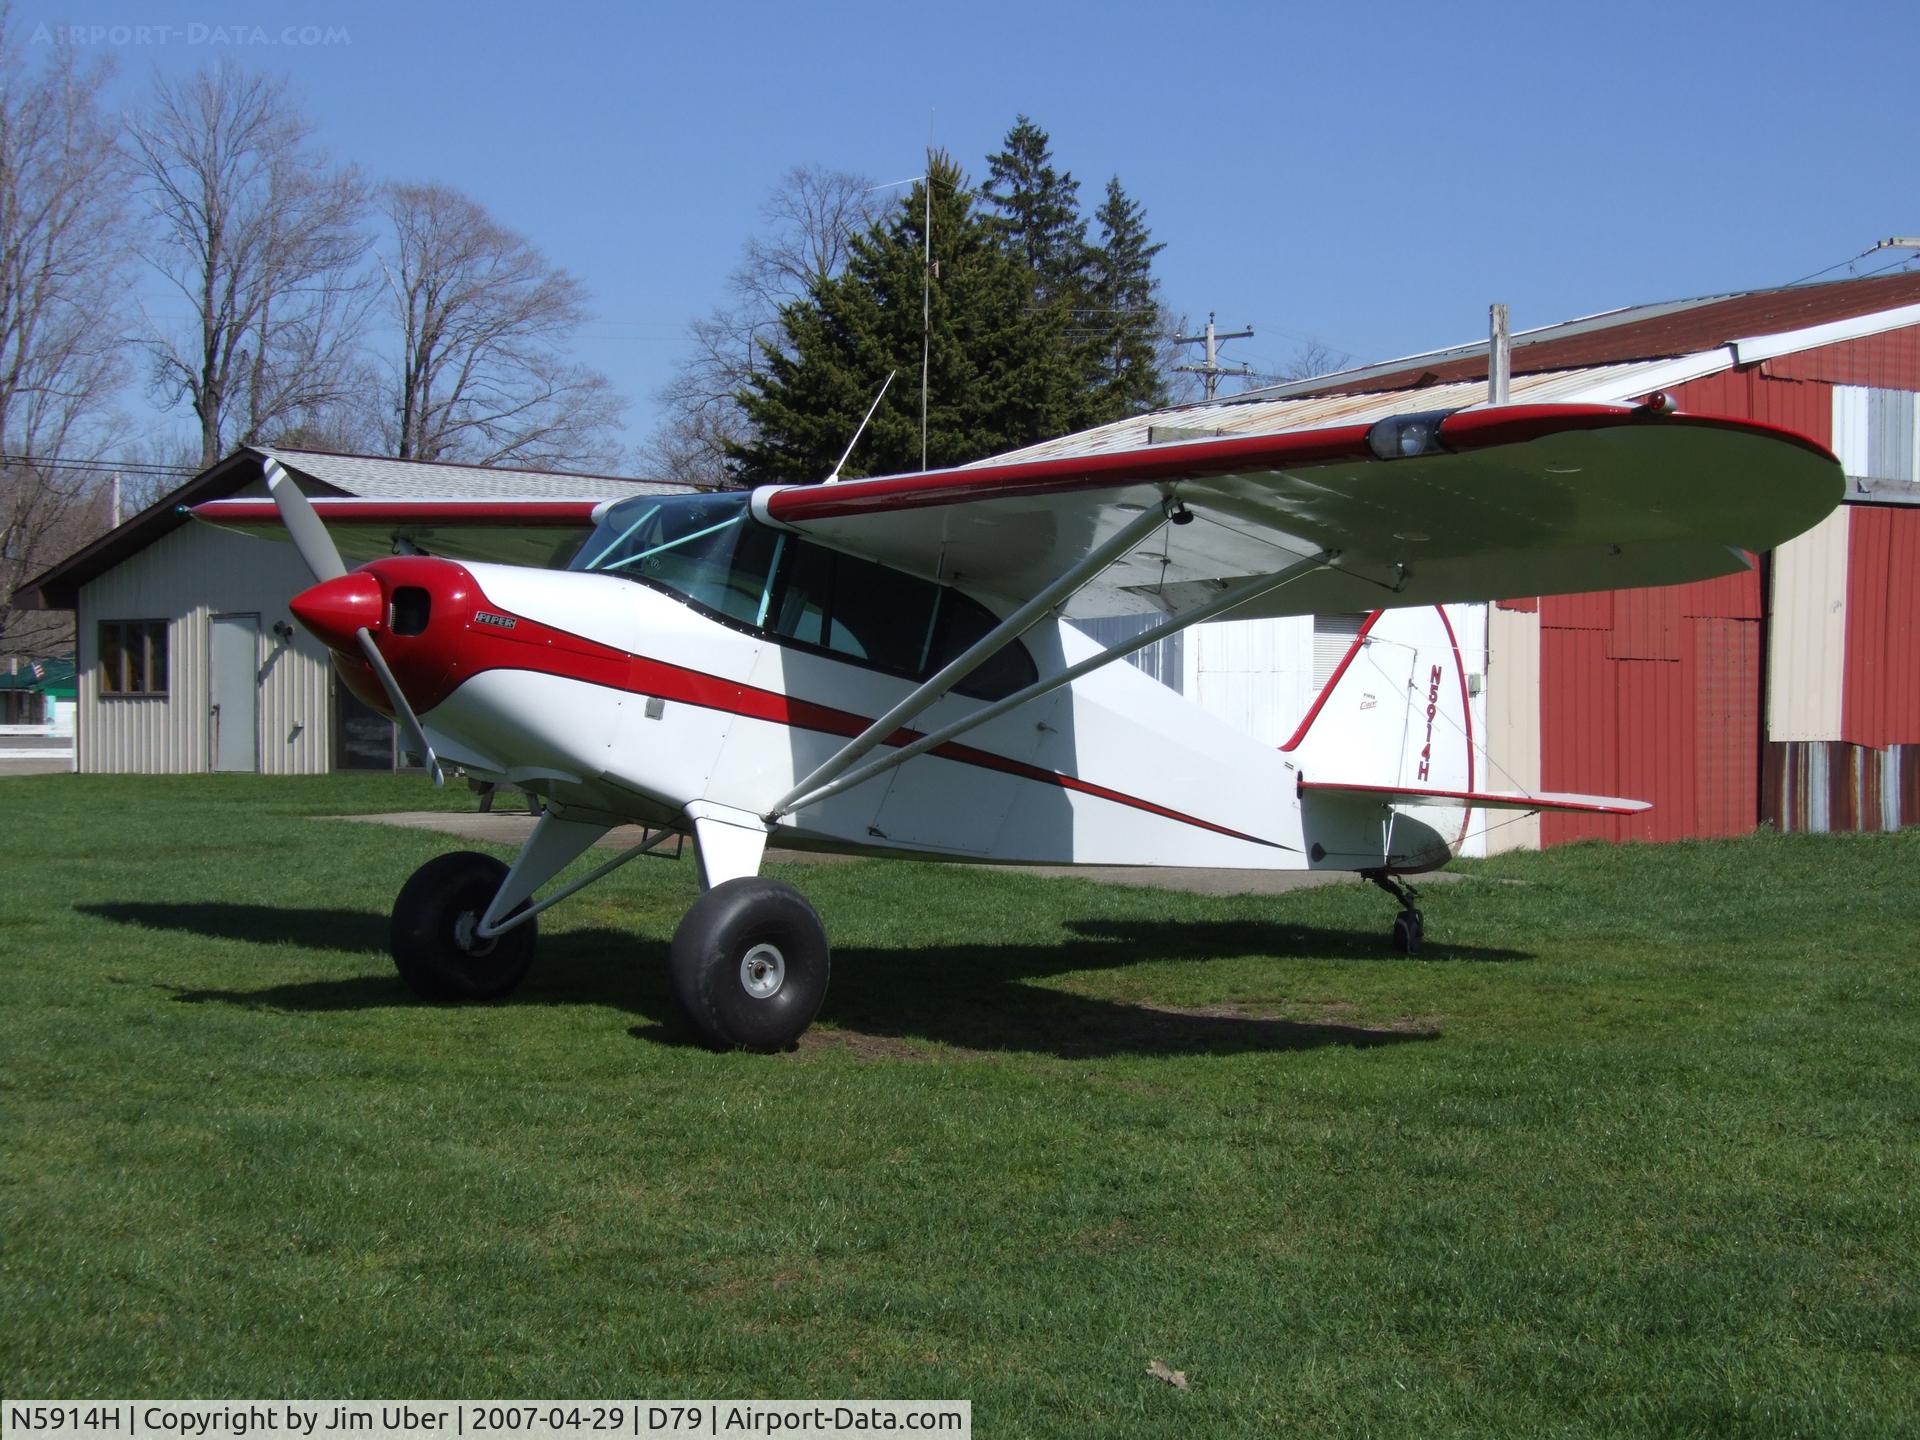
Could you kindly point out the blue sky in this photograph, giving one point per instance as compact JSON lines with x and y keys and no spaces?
{"x":1369,"y":176}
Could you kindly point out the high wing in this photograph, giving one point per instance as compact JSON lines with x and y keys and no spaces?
{"x":541,"y":533}
{"x":1417,"y":509}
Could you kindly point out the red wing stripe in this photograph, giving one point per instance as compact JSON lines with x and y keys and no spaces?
{"x":1077,"y":472}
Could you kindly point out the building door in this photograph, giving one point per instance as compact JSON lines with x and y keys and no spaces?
{"x":235,"y":687}
{"x":362,"y":736}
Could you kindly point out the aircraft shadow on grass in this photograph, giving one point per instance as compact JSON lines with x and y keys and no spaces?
{"x":974,"y":996}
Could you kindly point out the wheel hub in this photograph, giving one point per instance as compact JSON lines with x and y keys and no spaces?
{"x":466,"y":933}
{"x":763,"y":970}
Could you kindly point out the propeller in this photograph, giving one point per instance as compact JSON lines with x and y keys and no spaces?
{"x":322,"y":557}
{"x":308,"y":530}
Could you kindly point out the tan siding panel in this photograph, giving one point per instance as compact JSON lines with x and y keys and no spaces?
{"x":1513,"y":722}
{"x":1807,"y":638}
{"x":185,"y":577}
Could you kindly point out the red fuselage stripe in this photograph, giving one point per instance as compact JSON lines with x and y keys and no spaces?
{"x":694,"y":687}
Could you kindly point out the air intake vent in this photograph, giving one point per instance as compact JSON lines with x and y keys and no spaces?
{"x":412,"y":608}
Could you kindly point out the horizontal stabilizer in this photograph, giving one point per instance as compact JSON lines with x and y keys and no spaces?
{"x":1482,"y":799}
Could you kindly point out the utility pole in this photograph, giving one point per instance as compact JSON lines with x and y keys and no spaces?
{"x":1499,"y":355}
{"x":1213,"y":369}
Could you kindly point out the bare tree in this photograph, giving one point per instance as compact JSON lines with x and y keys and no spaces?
{"x":63,"y":249}
{"x":485,"y":322}
{"x":48,"y":513}
{"x":1310,"y":360}
{"x":261,"y":236}
{"x":809,"y":219}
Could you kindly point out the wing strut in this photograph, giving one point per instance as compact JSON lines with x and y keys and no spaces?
{"x":1249,"y":589}
{"x":981,"y":651}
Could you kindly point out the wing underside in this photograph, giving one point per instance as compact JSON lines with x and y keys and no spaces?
{"x":1511,"y":501}
{"x":539,"y":533}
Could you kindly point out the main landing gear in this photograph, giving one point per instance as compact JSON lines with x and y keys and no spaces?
{"x":748,"y":964}
{"x":1409,"y":926}
{"x":436,"y":945}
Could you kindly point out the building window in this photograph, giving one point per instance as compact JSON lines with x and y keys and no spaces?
{"x":133,"y":657}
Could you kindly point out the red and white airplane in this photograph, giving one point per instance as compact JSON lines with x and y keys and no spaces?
{"x":883,"y":666}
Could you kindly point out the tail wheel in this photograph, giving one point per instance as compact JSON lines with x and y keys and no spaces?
{"x":749,"y":965}
{"x":1409,"y":929}
{"x":436,"y":947}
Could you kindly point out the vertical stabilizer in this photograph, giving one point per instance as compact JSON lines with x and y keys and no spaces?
{"x":1393,"y":713}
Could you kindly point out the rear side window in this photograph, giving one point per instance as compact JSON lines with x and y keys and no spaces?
{"x":963,"y":621}
{"x":891,"y":621}
{"x":858,"y":609}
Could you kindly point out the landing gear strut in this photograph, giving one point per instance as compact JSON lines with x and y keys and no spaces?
{"x":1409,"y":926}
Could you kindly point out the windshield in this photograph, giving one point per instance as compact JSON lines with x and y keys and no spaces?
{"x":704,"y":547}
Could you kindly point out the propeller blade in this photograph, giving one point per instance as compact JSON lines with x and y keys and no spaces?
{"x":409,"y":720}
{"x":309,"y":532}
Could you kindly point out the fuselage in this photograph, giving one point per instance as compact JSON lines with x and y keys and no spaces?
{"x":681,"y":672}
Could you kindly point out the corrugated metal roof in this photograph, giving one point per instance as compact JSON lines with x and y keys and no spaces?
{"x":1643,"y":332}
{"x":1599,"y":384}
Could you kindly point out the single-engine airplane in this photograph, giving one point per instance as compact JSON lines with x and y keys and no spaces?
{"x":882,"y":666}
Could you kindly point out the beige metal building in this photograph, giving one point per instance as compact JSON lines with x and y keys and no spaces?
{"x":189,"y":659}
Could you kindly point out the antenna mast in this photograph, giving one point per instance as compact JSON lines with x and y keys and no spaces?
{"x":926,"y":311}
{"x":834,"y":478}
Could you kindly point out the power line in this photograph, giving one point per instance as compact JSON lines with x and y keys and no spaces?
{"x":1897,"y":242}
{"x":126,"y":467}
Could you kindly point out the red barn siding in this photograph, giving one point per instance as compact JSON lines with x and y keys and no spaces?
{"x":1730,"y":597}
{"x":1655,"y":694}
{"x":1657,"y":747}
{"x":1681,"y":731}
{"x":1646,"y":625}
{"x":1577,"y":612}
{"x":1724,"y":658}
{"x":1758,"y":393}
{"x":1880,"y":705}
{"x":1890,"y":360}
{"x":1579,"y":729}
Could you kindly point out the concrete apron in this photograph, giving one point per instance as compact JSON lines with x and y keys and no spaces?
{"x":512,"y":828}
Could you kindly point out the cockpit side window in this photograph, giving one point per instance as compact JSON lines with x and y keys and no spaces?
{"x":708,"y":550}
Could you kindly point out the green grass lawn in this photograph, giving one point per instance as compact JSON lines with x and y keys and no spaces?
{"x":1631,"y":1148}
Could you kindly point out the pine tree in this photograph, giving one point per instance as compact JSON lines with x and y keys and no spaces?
{"x":995,"y":378}
{"x":1122,"y":310}
{"x":1038,"y":212}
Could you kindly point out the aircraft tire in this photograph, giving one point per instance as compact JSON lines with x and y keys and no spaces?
{"x":432,"y":936}
{"x":749,"y":965}
{"x":1409,"y":929}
